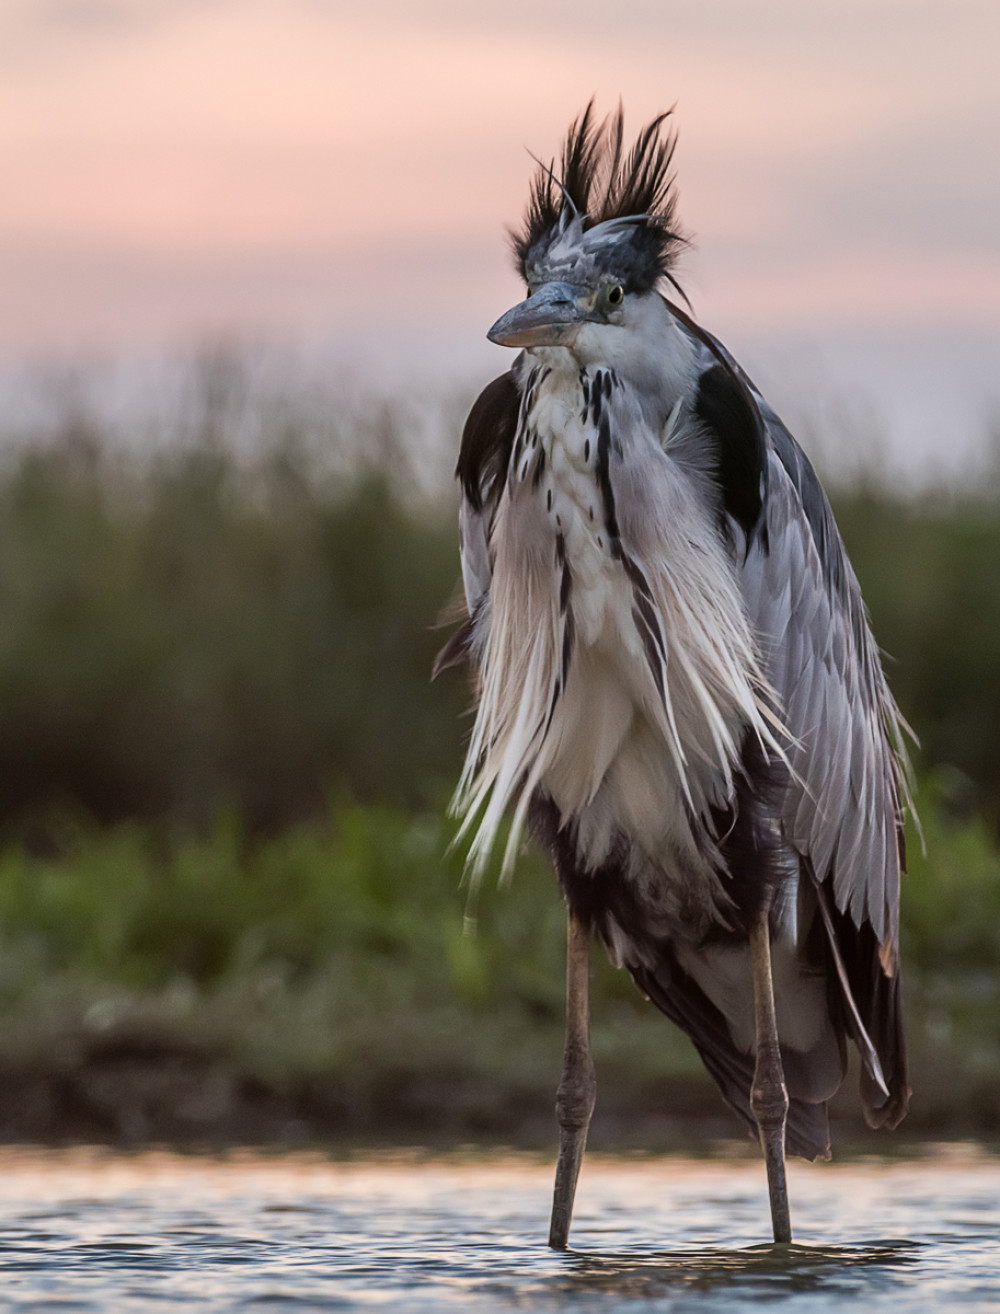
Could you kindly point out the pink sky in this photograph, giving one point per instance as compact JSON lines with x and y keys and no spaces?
{"x":299,"y":169}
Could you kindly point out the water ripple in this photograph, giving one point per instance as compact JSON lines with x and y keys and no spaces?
{"x":92,"y":1230}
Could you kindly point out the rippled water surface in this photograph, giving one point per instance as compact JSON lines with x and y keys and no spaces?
{"x":94,"y":1230}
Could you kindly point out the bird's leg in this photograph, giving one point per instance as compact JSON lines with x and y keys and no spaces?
{"x":578,"y":1088}
{"x":768,"y":1094}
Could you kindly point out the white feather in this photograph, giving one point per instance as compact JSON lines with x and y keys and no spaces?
{"x":613,"y":754}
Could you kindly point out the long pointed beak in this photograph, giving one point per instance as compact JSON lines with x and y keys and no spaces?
{"x":550,"y":318}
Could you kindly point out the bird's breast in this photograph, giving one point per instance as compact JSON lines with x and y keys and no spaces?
{"x":560,"y":481}
{"x":613,"y":752}
{"x":616,"y":673}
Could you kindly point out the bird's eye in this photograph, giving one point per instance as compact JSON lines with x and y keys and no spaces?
{"x":616,"y":295}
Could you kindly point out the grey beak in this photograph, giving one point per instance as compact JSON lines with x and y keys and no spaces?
{"x":550,"y":318}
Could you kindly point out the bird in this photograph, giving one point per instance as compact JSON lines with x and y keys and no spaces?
{"x":677,"y":688}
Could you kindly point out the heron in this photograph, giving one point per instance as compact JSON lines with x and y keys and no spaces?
{"x":677,"y":687}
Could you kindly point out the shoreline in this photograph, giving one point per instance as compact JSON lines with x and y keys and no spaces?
{"x":192,"y":1099}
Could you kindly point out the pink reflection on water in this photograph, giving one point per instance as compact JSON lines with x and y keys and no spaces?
{"x":410,"y":1175}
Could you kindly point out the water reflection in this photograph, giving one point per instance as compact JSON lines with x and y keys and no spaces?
{"x":765,"y":1271}
{"x":94,"y":1230}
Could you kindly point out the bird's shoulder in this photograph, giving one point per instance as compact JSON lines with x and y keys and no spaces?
{"x":487,"y":440}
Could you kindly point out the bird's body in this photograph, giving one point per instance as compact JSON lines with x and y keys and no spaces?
{"x":677,"y":685}
{"x":619,"y":685}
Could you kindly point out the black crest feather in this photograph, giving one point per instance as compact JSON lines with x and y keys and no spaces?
{"x":604,"y":182}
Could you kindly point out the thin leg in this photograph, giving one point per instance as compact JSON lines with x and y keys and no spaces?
{"x":768,"y":1095}
{"x":578,"y":1088}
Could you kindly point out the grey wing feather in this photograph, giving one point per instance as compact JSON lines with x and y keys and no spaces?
{"x":474,"y":549}
{"x":843,"y":809}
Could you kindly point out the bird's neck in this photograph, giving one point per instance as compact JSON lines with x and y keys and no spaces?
{"x":650,"y":353}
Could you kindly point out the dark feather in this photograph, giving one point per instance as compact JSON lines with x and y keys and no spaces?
{"x":875,"y":995}
{"x":679,"y":998}
{"x":724,"y":406}
{"x":603,"y":182}
{"x":488,"y":438}
{"x":546,"y":200}
{"x":604,"y":894}
{"x":749,"y":842}
{"x":487,"y":442}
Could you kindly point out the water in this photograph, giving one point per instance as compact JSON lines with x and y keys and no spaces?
{"x":96,"y":1230}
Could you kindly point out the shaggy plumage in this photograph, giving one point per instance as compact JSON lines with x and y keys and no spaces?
{"x":598,"y":183}
{"x":676,"y":679}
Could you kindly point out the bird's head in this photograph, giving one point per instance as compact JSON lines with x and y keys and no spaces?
{"x":596,"y":240}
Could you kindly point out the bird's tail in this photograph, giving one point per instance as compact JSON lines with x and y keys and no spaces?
{"x":838,"y":984}
{"x":868,"y":981}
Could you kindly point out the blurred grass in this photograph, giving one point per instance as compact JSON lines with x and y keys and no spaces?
{"x":930,"y":570}
{"x":197,"y":630}
{"x":330,"y":966}
{"x":195,"y":634}
{"x":324,"y":973}
{"x":227,"y":905}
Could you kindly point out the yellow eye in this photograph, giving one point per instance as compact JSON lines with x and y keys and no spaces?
{"x":616,"y":295}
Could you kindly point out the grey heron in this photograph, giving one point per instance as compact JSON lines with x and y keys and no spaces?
{"x":677,"y":687}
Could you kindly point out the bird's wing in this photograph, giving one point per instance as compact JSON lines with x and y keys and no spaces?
{"x":487,"y":440}
{"x":843,"y":806}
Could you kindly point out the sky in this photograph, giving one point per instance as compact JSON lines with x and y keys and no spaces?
{"x":339,"y":177}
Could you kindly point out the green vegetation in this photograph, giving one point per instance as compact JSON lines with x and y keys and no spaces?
{"x":930,"y":570}
{"x":227,"y":902}
{"x":321,"y":980}
{"x":198,"y":634}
